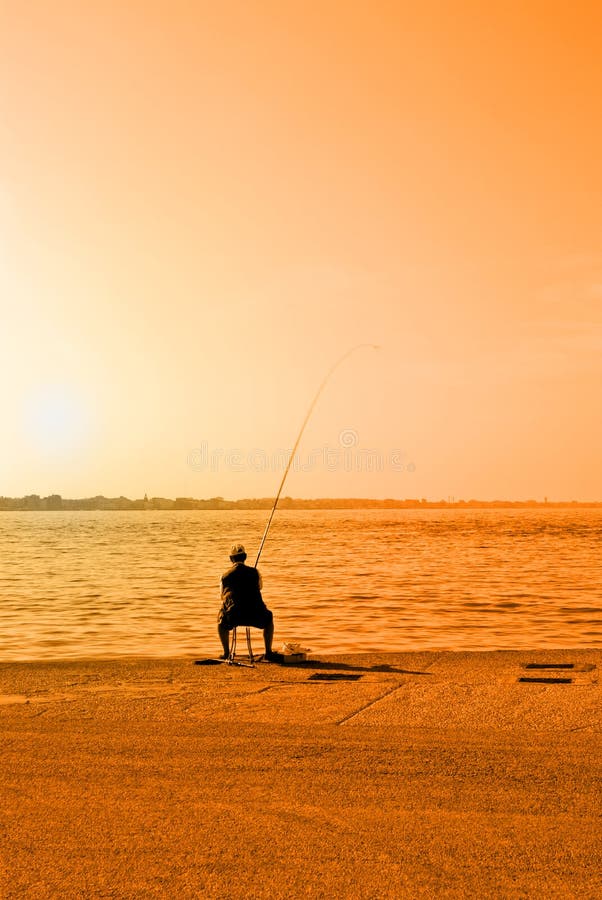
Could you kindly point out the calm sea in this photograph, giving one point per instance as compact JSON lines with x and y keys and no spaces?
{"x":103,"y":584}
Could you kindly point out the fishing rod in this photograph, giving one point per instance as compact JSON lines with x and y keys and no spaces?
{"x":300,"y":435}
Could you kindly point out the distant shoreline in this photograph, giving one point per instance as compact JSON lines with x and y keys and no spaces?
{"x":56,"y":503}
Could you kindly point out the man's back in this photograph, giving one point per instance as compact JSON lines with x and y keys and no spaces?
{"x":241,"y":585}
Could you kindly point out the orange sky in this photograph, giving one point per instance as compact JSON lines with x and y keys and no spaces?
{"x":202,"y":205}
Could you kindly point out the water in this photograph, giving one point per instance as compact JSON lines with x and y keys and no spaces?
{"x":105,"y":584}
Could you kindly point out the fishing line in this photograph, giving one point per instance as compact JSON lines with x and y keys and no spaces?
{"x":300,"y":435}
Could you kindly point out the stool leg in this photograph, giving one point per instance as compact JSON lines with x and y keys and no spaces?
{"x":231,"y":660}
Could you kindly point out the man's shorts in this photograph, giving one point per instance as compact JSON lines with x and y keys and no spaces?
{"x":230,"y":617}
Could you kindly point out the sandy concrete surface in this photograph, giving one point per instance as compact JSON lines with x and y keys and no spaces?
{"x":365,"y":776}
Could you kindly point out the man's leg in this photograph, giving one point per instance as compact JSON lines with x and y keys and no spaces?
{"x":268,"y":637}
{"x":224,"y":636}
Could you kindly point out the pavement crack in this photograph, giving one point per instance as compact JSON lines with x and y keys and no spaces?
{"x":371,"y":703}
{"x":583,"y":727}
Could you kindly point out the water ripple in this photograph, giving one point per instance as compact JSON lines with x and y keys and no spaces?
{"x":94,"y":584}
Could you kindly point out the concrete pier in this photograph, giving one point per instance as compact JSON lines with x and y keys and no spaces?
{"x":374,"y":775}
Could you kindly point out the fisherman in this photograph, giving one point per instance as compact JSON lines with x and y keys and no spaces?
{"x":242,"y":603}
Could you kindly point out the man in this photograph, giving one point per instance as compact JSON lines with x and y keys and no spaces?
{"x":242,"y":603}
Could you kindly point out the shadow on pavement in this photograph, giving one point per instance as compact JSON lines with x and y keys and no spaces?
{"x":318,"y":664}
{"x":347,"y":667}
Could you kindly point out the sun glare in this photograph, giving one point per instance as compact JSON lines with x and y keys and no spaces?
{"x":56,"y":419}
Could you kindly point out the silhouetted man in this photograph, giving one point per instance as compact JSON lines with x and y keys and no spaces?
{"x":242,"y":603}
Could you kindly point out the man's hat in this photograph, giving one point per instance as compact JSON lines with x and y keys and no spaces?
{"x":237,"y":550}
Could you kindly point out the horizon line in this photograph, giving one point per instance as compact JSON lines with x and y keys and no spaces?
{"x":57,"y":501}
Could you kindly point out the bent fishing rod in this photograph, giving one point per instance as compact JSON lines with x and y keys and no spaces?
{"x":300,"y":435}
